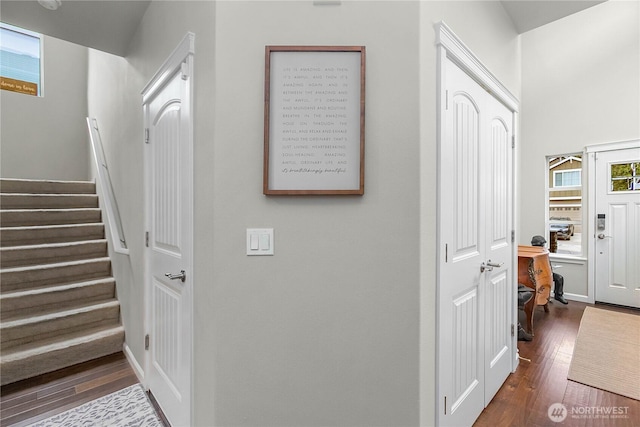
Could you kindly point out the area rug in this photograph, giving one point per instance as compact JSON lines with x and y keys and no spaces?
{"x":126,"y":407}
{"x":607,"y":352}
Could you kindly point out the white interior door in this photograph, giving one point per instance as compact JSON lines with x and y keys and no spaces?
{"x":170,"y":217}
{"x":617,"y":234}
{"x":497,"y":190}
{"x":476,"y":300}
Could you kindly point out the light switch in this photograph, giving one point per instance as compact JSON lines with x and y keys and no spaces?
{"x":259,"y":241}
{"x":254,"y":242}
{"x":265,"y":241}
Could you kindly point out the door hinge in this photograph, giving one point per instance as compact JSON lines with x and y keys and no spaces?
{"x":146,"y":342}
{"x":146,"y":135}
{"x":513,"y":141}
{"x":446,"y":99}
{"x":513,"y":236}
{"x":446,"y":252}
{"x":445,"y":405}
{"x":184,"y":68}
{"x":146,"y":238}
{"x":513,"y":330}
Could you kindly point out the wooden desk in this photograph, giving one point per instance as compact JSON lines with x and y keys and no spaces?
{"x":534,"y":271}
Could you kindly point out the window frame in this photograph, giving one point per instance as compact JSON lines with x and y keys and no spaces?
{"x":40,"y":38}
{"x":635,"y":178}
{"x":562,"y":172}
{"x":549,"y":188}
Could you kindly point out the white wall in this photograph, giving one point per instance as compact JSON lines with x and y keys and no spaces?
{"x":580,"y":86}
{"x":114,"y":101}
{"x":328,"y":331}
{"x":46,"y":137}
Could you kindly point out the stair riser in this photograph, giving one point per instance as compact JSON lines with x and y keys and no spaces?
{"x":27,"y":367}
{"x":26,"y":255}
{"x":39,"y":236}
{"x":11,"y":281}
{"x":54,"y":201}
{"x":22,"y":218}
{"x":44,"y":187}
{"x":51,"y":328}
{"x":15,"y":306}
{"x":57,"y":295}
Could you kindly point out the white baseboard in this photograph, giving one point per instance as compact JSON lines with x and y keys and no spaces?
{"x":576,"y":297}
{"x":134,"y":363}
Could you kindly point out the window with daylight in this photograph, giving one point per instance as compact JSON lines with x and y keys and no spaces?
{"x":20,"y":60}
{"x":625,"y":176}
{"x":564,"y":198}
{"x":568,"y":178}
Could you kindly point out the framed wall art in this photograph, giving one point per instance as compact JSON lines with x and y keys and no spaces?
{"x":314,"y":120}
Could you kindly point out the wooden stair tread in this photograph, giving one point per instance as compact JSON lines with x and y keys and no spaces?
{"x":12,"y":185}
{"x":49,"y":216}
{"x":57,"y":314}
{"x":55,"y":288}
{"x":59,"y":342}
{"x":51,"y":233}
{"x":55,"y":226}
{"x":52,"y":245}
{"x":49,"y":253}
{"x":28,"y":268}
{"x":37,"y":301}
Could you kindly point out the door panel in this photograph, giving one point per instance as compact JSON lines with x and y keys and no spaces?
{"x":466,"y":136}
{"x":465,"y":315}
{"x":166,"y":339}
{"x":166,"y":198}
{"x":618,"y":244}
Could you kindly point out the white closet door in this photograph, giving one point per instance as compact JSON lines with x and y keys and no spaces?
{"x":476,"y":219}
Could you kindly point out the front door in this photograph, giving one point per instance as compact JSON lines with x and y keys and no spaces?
{"x":617,"y":233}
{"x":169,"y":188}
{"x":476,"y":300}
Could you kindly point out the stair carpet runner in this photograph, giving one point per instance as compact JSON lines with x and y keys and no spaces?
{"x":57,"y":296}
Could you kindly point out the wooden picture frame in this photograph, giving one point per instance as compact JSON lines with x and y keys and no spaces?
{"x":314,"y":102}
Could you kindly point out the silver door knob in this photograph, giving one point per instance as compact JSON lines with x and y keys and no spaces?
{"x":182,"y":276}
{"x":602,"y":236}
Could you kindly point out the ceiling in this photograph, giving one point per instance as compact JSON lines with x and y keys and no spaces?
{"x":106,"y":25}
{"x":109,"y":25}
{"x":529,"y":14}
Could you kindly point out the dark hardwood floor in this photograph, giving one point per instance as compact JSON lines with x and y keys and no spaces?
{"x":522,"y":401}
{"x":525,"y":397}
{"x":35,"y":399}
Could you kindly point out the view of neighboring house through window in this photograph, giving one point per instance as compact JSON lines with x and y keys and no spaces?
{"x":20,"y":66}
{"x":564,"y":195}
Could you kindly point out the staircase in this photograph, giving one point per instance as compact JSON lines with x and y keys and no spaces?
{"x":57,"y":296}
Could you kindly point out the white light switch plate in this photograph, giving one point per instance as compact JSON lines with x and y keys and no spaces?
{"x":259,"y":241}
